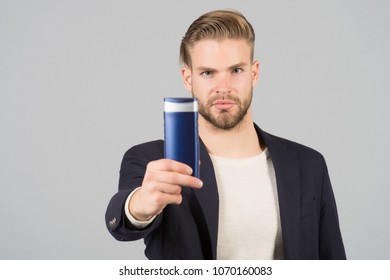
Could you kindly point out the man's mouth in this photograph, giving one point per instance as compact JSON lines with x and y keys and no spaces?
{"x":223,"y":104}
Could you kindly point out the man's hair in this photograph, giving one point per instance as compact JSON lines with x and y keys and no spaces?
{"x":216,"y":25}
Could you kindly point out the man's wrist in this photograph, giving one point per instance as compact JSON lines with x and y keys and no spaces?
{"x":140,"y":224}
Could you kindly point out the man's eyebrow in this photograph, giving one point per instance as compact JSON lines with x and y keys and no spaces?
{"x":238,"y":65}
{"x":206,"y":68}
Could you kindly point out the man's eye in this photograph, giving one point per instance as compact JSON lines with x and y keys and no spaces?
{"x":206,"y":73}
{"x":237,"y":70}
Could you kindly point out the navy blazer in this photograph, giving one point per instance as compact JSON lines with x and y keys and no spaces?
{"x":309,"y":220}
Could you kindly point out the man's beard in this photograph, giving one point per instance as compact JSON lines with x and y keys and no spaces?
{"x":225,"y":120}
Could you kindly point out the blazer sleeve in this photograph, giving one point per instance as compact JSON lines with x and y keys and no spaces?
{"x":132,"y":172}
{"x":330,"y":241}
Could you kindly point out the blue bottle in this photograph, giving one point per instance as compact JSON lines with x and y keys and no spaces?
{"x":181,"y":131}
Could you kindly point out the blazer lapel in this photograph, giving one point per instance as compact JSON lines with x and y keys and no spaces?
{"x":287,"y":179}
{"x":208,"y":197}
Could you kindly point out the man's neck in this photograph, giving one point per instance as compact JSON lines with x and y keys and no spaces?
{"x":239,"y":142}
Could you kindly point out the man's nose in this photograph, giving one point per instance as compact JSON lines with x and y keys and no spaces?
{"x":222,"y":85}
{"x":222,"y":90}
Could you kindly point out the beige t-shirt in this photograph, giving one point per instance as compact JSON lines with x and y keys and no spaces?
{"x":249,"y":221}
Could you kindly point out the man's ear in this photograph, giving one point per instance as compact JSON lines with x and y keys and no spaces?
{"x":187,"y":80}
{"x":255,"y":72}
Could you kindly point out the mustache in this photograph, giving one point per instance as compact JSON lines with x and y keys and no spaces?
{"x":226,"y":97}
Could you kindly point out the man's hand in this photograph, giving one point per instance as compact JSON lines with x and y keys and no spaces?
{"x":162,"y":185}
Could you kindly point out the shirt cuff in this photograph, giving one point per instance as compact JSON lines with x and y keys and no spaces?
{"x":134,"y":221}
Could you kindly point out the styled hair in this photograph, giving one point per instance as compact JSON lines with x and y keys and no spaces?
{"x":216,"y":25}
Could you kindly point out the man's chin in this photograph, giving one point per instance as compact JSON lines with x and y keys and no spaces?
{"x":224,"y":123}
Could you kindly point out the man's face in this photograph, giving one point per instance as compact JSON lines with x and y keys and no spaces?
{"x":222,"y":77}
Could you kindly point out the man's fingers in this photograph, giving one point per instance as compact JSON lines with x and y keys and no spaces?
{"x":178,"y":179}
{"x":158,"y":179}
{"x":171,"y":198}
{"x":171,"y":172}
{"x":162,"y":185}
{"x":169,"y":165}
{"x":169,"y":188}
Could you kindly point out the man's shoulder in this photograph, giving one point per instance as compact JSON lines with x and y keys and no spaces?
{"x":153,"y":148}
{"x":277,"y":142}
{"x":158,"y":143}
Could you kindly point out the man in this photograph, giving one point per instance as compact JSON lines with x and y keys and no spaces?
{"x":258,"y":196}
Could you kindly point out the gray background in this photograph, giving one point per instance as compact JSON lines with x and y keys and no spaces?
{"x":82,"y":81}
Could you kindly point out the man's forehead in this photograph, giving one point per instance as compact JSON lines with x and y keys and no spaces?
{"x":220,"y":53}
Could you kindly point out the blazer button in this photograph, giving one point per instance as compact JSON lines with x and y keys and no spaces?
{"x":112,"y":223}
